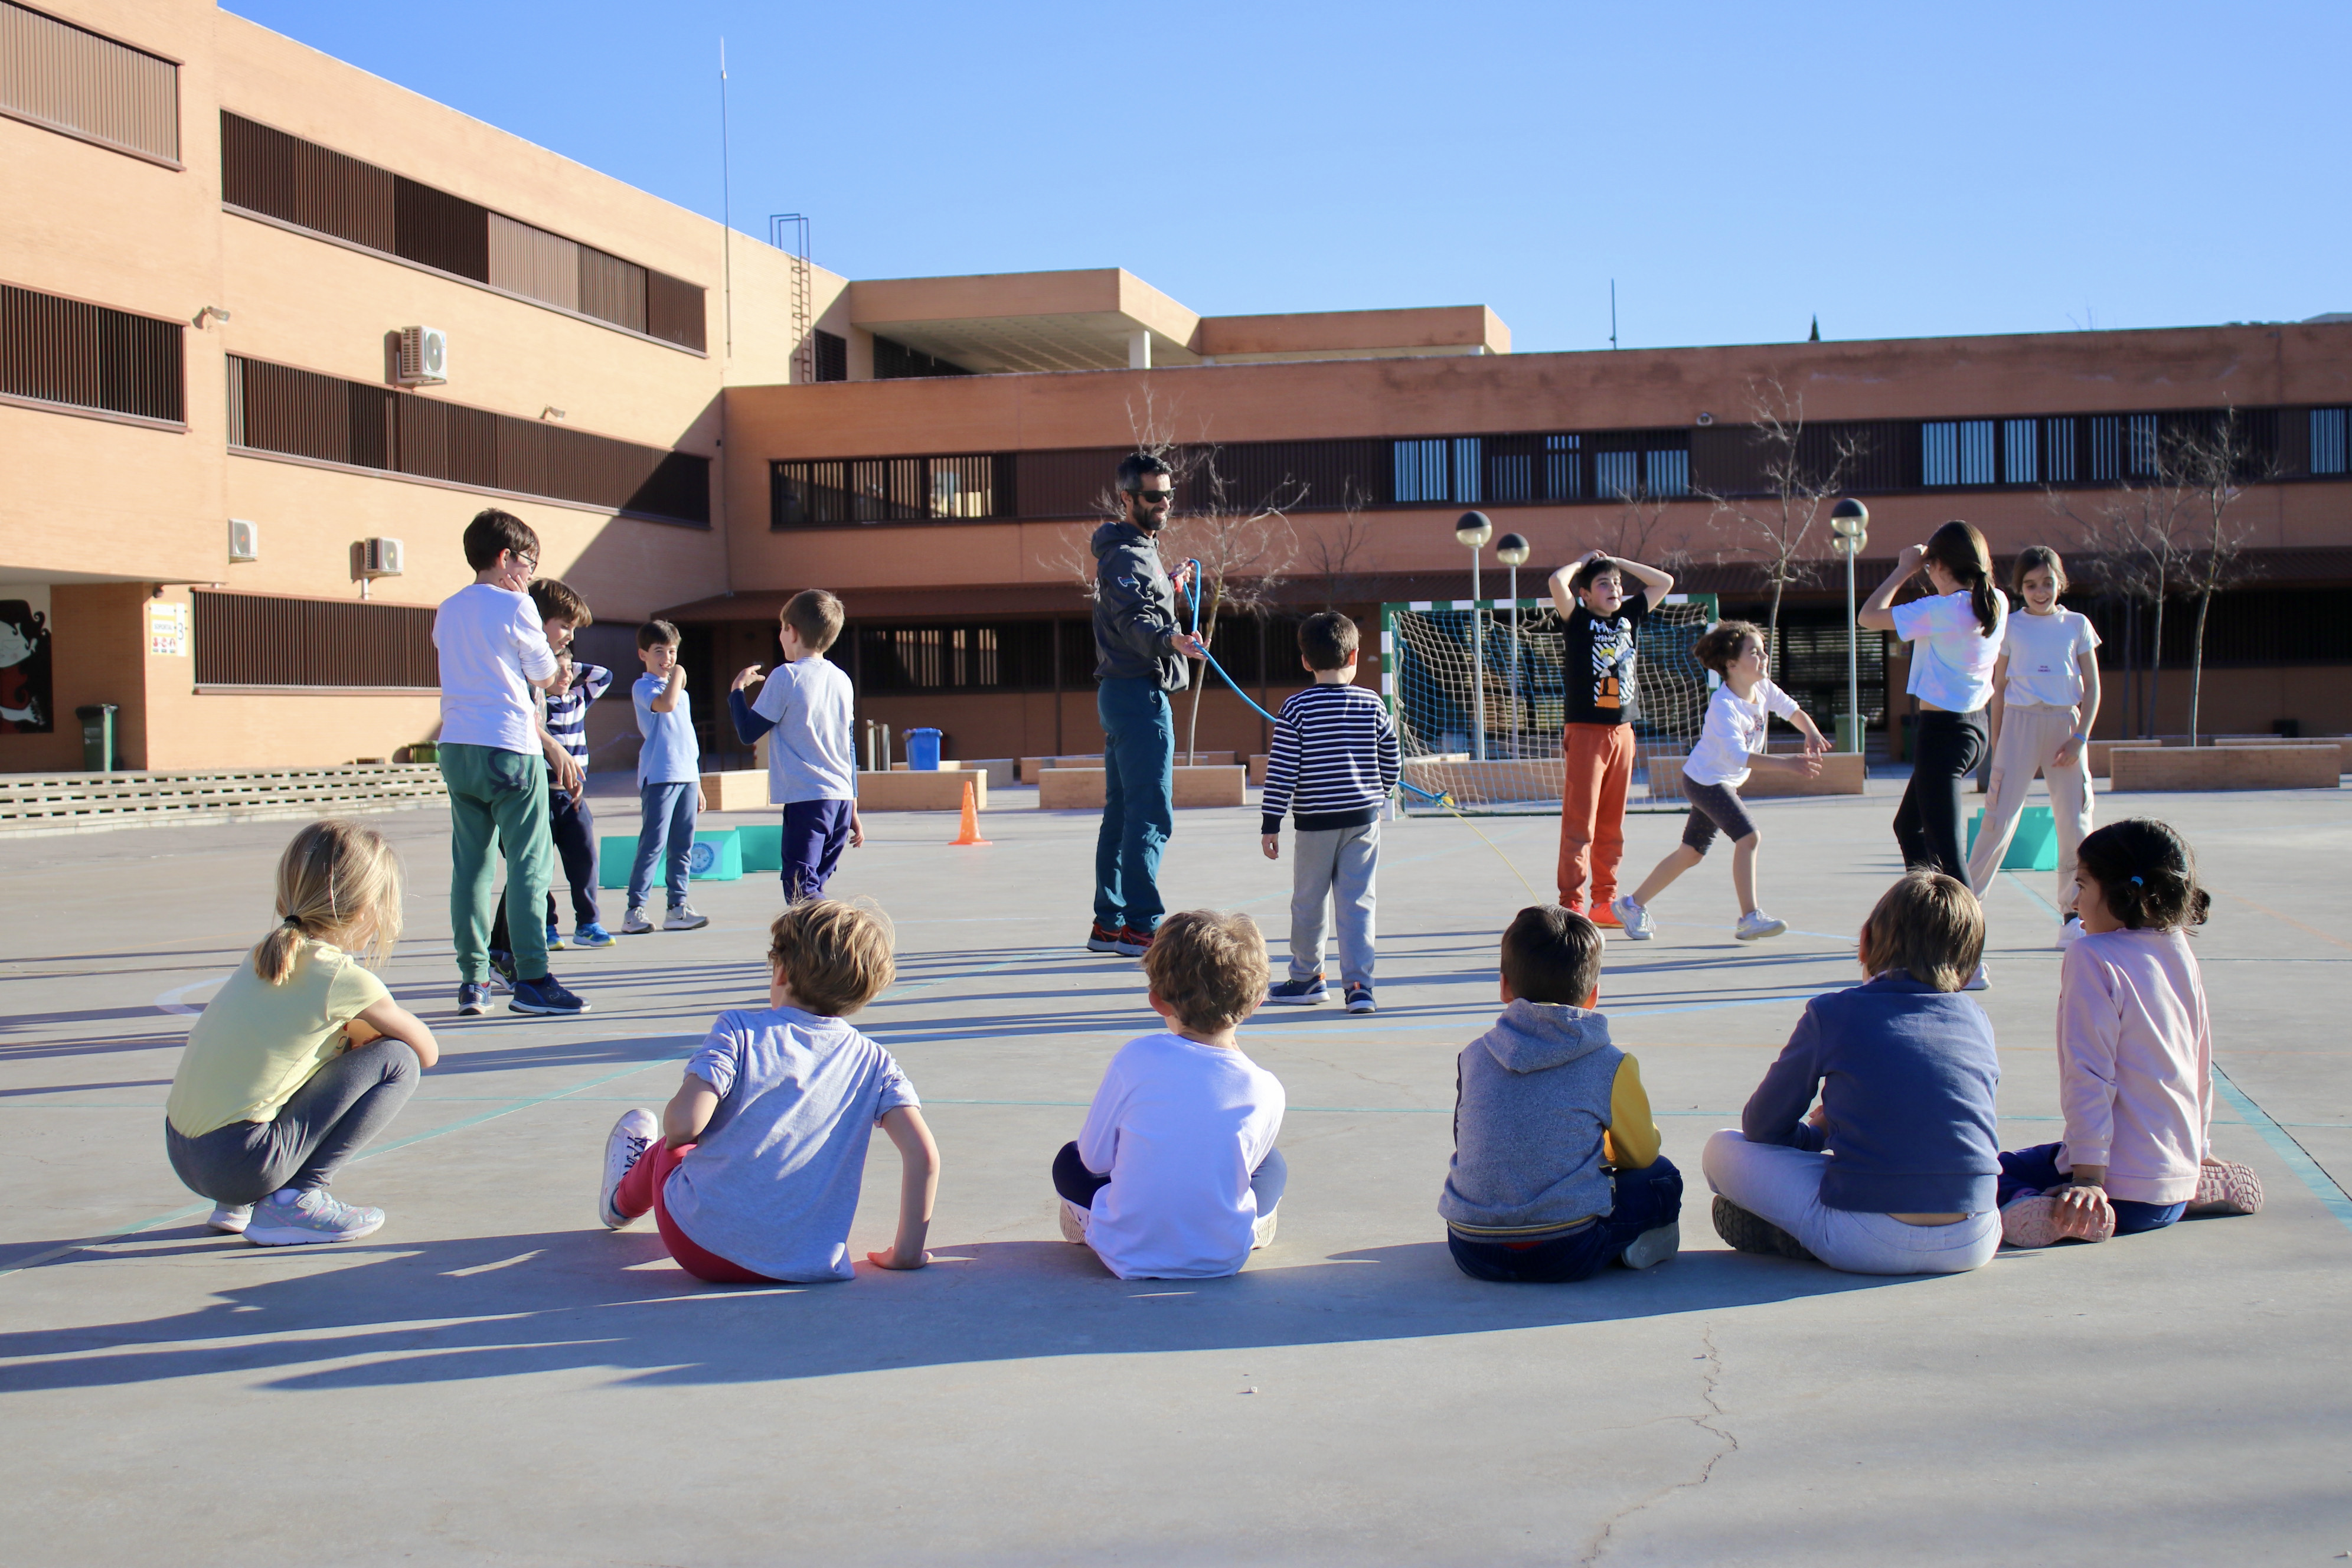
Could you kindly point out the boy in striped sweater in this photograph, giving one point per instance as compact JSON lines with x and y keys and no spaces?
{"x":1333,"y":766}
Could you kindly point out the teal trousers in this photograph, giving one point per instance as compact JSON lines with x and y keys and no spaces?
{"x":498,"y":798}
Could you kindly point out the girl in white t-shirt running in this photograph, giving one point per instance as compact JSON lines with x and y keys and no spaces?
{"x":2045,"y":699}
{"x":1731,"y":743}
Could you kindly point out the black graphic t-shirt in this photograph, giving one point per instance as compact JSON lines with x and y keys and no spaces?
{"x":1600,"y":659}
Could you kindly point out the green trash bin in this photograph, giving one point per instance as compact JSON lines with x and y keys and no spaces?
{"x":97,"y":737}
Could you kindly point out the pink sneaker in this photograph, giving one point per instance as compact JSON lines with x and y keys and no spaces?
{"x":2228,"y":1187}
{"x":2034,"y":1220}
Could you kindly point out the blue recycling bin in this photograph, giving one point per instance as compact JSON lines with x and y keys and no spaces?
{"x":923,"y":750}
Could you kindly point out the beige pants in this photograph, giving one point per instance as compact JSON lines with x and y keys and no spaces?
{"x":2030,"y":738}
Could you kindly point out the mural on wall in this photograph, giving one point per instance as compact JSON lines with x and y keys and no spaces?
{"x":27,"y":704}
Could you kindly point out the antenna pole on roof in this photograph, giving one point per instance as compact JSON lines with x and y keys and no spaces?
{"x":1612,"y":312}
{"x":726,"y":207}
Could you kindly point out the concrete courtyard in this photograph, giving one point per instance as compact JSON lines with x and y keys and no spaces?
{"x":495,"y":1378}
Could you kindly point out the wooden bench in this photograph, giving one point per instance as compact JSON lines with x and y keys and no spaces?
{"x":2309,"y":764}
{"x":1081,"y":789}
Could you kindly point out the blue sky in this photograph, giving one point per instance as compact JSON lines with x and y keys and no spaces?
{"x":1903,"y":170}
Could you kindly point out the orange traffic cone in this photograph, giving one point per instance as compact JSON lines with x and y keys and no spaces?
{"x":969,"y":833}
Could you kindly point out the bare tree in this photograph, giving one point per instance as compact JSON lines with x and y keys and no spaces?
{"x":1798,"y":478}
{"x":2140,"y":539}
{"x":2218,"y":462}
{"x":1336,"y":550}
{"x":1640,"y":516}
{"x":1244,"y":548}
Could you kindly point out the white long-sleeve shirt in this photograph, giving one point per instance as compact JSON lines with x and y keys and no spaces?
{"x":1733,"y":732}
{"x":2135,"y":1062}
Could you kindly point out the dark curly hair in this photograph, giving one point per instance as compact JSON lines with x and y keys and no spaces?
{"x":2146,"y":873}
{"x":1720,"y":646}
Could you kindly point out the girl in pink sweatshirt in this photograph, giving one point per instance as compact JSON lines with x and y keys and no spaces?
{"x":2134,"y":1059}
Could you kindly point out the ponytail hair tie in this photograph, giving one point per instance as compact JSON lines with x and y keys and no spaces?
{"x":290,"y":920}
{"x":2135,"y":882}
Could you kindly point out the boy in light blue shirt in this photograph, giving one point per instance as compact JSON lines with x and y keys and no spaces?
{"x":669,"y":781}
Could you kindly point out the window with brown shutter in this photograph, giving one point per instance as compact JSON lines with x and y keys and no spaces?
{"x":87,"y":85}
{"x":262,"y":642}
{"x":80,"y":356}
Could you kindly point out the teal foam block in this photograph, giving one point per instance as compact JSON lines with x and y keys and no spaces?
{"x":717,"y":857}
{"x":763,"y":847}
{"x":2035,"y":846}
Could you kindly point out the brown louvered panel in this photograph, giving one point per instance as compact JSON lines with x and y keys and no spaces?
{"x":612,"y":290}
{"x":674,"y":309}
{"x":522,"y":461}
{"x":437,"y":229}
{"x":252,"y":639}
{"x":265,"y":169}
{"x":679,"y":488}
{"x":88,"y":356}
{"x":81,"y":82}
{"x":296,"y":411}
{"x":532,"y":262}
{"x":447,"y":441}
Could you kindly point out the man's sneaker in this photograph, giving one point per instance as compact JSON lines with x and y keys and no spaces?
{"x":1633,"y":918}
{"x":502,"y":971}
{"x":684,"y":916}
{"x":555,"y":939}
{"x":1756,"y":925}
{"x":592,"y":935}
{"x":230,"y":1219}
{"x":1132,"y":942}
{"x":1360,"y":999}
{"x":2070,"y":932}
{"x":2224,"y":1186}
{"x":1309,"y":993}
{"x":635,"y":923}
{"x":473,"y":999}
{"x":1652,"y":1247}
{"x":1604,"y":914}
{"x":545,"y":995}
{"x":1074,"y":1222}
{"x":1102,"y":939}
{"x":1980,"y":981}
{"x":1745,"y":1232}
{"x":2035,"y":1220}
{"x":1262,"y":1231}
{"x":626,"y":1144}
{"x":289,"y":1218}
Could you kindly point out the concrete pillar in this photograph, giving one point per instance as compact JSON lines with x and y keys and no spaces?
{"x":1139,"y":349}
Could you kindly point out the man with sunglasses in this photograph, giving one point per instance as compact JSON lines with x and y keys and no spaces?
{"x":1140,"y":654}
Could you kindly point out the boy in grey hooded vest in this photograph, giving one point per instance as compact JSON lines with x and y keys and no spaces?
{"x":1556,"y":1167}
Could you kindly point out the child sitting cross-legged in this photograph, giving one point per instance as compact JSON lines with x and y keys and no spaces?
{"x":1175,"y":1174}
{"x":752,"y":1171}
{"x":2134,"y":1057}
{"x":1556,"y":1168}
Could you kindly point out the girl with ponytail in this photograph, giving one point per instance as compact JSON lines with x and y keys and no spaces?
{"x":1955,"y":634}
{"x":303,"y":1057}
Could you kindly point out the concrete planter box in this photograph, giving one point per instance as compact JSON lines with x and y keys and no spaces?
{"x":1842,"y":772}
{"x":998,"y":769}
{"x":1483,"y":783}
{"x":1081,"y":789}
{"x":905,"y":790}
{"x":1257,"y":768}
{"x":2101,"y":751}
{"x":2290,"y":765}
{"x":740,"y":789}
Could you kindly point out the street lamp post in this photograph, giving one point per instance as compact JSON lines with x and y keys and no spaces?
{"x":1511,"y":550}
{"x":1473,"y":528}
{"x":1849,"y":523}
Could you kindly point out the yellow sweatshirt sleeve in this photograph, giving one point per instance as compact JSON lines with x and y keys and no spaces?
{"x":1632,"y":1142}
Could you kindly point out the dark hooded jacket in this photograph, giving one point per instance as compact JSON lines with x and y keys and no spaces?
{"x":1135,"y":610}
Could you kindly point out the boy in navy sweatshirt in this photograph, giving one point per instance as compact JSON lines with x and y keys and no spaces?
{"x":1333,"y":765}
{"x":1556,"y":1166}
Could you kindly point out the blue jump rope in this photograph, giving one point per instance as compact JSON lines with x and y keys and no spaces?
{"x":1444,"y":798}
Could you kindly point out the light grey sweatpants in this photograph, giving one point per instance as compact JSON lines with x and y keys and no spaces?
{"x":1339,"y":864}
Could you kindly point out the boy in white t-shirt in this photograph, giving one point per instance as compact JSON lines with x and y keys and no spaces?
{"x":494,"y":653}
{"x":1175,"y":1174}
{"x":1729,"y":745}
{"x":807,"y":709}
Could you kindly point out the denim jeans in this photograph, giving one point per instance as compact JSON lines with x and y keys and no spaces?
{"x":335,"y":1113}
{"x":1138,"y":803}
{"x":665,"y":830}
{"x":1645,"y":1199}
{"x":2035,"y":1170}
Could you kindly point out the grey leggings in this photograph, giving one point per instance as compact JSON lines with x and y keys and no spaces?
{"x":331,"y":1118}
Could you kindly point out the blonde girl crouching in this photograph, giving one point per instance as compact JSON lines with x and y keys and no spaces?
{"x":304,"y":1056}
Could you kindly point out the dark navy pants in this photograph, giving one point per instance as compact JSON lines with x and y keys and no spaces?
{"x":1646,"y":1199}
{"x":815,"y":832}
{"x":2035,"y":1170}
{"x":1138,"y":803}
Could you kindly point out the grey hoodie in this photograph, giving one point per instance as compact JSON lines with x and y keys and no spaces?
{"x":1531,"y":1102}
{"x":1135,"y":610}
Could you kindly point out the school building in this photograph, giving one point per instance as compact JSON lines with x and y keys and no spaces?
{"x":272,"y":329}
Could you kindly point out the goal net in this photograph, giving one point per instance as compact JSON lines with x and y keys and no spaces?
{"x":1478,"y":692}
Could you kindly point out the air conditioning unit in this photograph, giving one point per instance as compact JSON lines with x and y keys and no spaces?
{"x":424,"y":356}
{"x":379,"y":558}
{"x":244,"y":540}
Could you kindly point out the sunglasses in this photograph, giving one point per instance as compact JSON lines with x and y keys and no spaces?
{"x":1153,"y":498}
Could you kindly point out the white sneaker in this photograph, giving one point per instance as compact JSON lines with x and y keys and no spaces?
{"x":626,"y":1144}
{"x":635,"y":923}
{"x":287,"y":1219}
{"x":230,"y":1219}
{"x":2070,"y":932}
{"x":1980,"y":981}
{"x":1074,"y":1223}
{"x":1756,"y":925}
{"x":684,"y":918}
{"x":1633,"y":918}
{"x":1652,"y":1247}
{"x":1262,"y":1233}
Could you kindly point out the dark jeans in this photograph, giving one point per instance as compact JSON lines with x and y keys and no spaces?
{"x":1079,"y":1185}
{"x":2036,"y":1170}
{"x":1138,"y":803}
{"x":331,"y":1118}
{"x":1945,"y":750}
{"x":664,"y":832}
{"x":1646,"y":1199}
{"x":815,"y":833}
{"x":573,"y":827}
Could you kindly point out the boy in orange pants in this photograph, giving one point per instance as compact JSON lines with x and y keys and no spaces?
{"x":1603,"y":627}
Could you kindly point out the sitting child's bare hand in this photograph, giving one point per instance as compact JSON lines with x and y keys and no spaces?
{"x":358,"y":1033}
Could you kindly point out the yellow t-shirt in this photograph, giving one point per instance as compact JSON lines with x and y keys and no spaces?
{"x":256,"y":1043}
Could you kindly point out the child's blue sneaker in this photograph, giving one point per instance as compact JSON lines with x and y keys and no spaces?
{"x":1307,"y":993}
{"x":546,"y":995}
{"x":554,"y":939}
{"x":592,"y":935}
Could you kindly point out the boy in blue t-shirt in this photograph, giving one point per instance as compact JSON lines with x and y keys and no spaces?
{"x":806,"y":712}
{"x":669,"y":781}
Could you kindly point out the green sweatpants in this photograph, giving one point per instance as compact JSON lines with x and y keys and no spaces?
{"x":497,"y":797}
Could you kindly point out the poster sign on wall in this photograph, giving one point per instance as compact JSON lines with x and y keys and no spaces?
{"x":167,"y":630}
{"x":28,"y":706}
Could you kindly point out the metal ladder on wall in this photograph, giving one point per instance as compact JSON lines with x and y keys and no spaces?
{"x":803,"y":338}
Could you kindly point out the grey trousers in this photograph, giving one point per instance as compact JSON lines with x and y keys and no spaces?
{"x":1341,"y":864}
{"x":335,"y":1113}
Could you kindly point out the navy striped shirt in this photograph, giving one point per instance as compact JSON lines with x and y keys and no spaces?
{"x":1334,"y":760}
{"x":567,"y":716}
